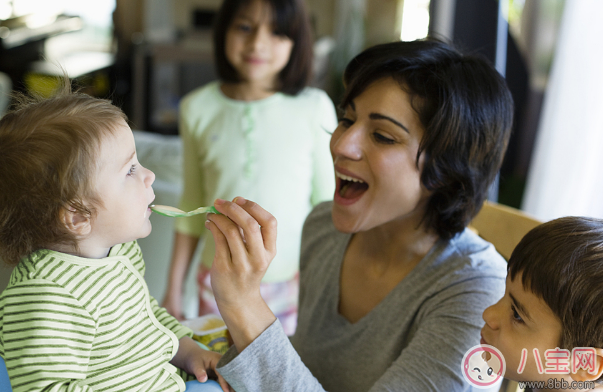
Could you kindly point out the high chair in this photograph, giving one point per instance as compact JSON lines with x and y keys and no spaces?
{"x":502,"y":226}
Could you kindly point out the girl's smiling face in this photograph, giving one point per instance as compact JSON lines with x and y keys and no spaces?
{"x":374,"y":151}
{"x":252,"y":47}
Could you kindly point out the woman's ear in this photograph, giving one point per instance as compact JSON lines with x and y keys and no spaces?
{"x":77,"y":223}
{"x":583,"y":374}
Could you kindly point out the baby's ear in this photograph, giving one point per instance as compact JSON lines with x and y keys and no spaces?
{"x":77,"y":223}
{"x":584,"y":375}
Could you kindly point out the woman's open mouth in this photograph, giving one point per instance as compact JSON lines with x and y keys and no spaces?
{"x":349,"y":188}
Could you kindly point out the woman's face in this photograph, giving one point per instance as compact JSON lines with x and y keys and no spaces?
{"x":374,"y":151}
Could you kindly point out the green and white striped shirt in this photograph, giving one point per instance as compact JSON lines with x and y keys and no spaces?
{"x":73,"y":324}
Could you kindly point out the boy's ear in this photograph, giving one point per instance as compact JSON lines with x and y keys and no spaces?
{"x":584,"y":375}
{"x":75,"y":222}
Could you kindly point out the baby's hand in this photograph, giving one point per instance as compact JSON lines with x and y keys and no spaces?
{"x":198,"y":362}
{"x":203,"y":363}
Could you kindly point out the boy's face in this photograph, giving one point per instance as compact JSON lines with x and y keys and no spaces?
{"x":521,"y":320}
{"x":124,"y":188}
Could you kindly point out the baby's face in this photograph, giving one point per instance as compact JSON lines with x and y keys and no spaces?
{"x":123,"y":186}
{"x":521,"y":320}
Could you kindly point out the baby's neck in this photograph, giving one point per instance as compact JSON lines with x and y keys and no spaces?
{"x":82,"y":251}
{"x":245,"y":91}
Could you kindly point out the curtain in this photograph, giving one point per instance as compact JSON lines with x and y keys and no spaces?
{"x":566,"y":172}
{"x":349,"y":38}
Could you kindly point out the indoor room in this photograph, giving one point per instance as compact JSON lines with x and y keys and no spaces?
{"x":388,"y":139}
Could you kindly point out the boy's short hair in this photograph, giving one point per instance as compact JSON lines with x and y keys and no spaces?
{"x":561,"y":261}
{"x":290,"y":20}
{"x":48,"y":150}
{"x":466,"y":110}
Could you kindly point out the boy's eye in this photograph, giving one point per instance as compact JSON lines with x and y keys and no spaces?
{"x":132,"y":170}
{"x":516,"y":317}
{"x":379,"y":138}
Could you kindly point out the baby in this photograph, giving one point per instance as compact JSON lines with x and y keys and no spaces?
{"x":77,"y":314}
{"x":549,"y":324}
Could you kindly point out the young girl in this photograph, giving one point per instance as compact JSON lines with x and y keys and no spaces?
{"x":77,"y":314}
{"x":259,"y":132}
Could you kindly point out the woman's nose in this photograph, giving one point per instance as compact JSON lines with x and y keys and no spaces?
{"x":347,"y":143}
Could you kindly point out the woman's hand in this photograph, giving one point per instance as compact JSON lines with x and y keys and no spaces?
{"x":245,"y":238}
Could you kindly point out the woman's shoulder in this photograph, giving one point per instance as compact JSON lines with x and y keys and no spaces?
{"x":475,"y":254}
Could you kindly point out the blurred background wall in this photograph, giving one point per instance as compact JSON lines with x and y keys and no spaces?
{"x":146,"y":54}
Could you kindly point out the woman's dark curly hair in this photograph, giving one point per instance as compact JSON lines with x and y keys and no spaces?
{"x":467,"y":112}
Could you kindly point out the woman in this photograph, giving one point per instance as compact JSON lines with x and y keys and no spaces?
{"x":392,"y":284}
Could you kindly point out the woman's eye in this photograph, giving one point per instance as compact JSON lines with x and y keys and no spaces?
{"x":379,"y":138}
{"x":516,"y":317}
{"x":346,"y":122}
{"x":132,"y":170}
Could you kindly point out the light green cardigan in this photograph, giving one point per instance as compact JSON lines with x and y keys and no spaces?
{"x":273,"y":151}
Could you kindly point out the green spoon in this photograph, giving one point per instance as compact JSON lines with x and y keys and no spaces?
{"x":174,"y":212}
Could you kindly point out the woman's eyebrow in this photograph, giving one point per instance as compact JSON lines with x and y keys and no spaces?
{"x":377,"y":116}
{"x":520,"y":307}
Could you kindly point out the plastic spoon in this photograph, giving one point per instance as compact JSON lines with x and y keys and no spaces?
{"x":174,"y":212}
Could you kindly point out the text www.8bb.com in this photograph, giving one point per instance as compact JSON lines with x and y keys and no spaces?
{"x":554,"y":383}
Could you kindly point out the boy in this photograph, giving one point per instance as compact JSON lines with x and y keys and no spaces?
{"x":77,"y":314}
{"x":553,"y":299}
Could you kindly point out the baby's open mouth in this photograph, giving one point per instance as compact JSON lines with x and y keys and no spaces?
{"x":350,"y":187}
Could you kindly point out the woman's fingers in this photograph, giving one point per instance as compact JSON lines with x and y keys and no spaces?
{"x":267,"y":223}
{"x":231,"y":232}
{"x":222,"y":250}
{"x":247,"y":216}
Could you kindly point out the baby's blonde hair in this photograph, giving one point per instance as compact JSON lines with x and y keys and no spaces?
{"x":48,"y":153}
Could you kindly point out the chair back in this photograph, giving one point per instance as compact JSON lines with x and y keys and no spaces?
{"x":502,"y":226}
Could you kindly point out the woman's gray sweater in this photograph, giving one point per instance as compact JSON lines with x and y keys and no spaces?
{"x":414,"y":340}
